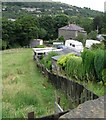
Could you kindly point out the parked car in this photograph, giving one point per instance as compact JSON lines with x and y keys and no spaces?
{"x":61,"y":47}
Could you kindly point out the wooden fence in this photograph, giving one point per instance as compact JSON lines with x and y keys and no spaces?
{"x":31,"y":116}
{"x":75,"y":92}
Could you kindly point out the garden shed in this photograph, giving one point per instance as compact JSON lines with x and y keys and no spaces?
{"x":36,"y":42}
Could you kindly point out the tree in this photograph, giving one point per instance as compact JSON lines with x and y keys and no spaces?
{"x":26,"y":29}
{"x":8,"y":32}
{"x":92,"y":35}
{"x":81,"y":38}
{"x":42,"y":33}
{"x":61,"y":38}
{"x":98,"y":23}
{"x":104,"y":23}
{"x":60,"y":21}
{"x":47,"y":23}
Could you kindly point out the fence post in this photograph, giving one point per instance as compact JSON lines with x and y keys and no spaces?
{"x":31,"y":116}
{"x":58,"y":100}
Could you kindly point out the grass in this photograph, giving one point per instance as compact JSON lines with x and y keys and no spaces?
{"x":25,"y":89}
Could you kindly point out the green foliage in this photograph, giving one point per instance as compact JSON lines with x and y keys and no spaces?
{"x":99,"y":63}
{"x":92,"y":35}
{"x":61,"y":38}
{"x":81,"y":38}
{"x":40,"y":46}
{"x":98,"y":23}
{"x":88,"y":67}
{"x":4,"y":45}
{"x":98,"y":46}
{"x":88,"y":64}
{"x":63,"y":60}
{"x":74,"y":67}
{"x":47,"y":8}
{"x":47,"y":60}
{"x":104,"y":75}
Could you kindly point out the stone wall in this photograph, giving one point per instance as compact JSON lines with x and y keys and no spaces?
{"x":67,"y":34}
{"x":89,"y":109}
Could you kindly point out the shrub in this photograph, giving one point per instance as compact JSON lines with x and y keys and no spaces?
{"x":88,"y":64}
{"x":74,"y":67}
{"x":63,"y":59}
{"x":40,"y":46}
{"x":4,"y":45}
{"x":99,"y":63}
{"x":97,"y":46}
{"x":92,"y":35}
{"x":47,"y":60}
{"x":81,"y":38}
{"x":61,"y":38}
{"x":104,"y":75}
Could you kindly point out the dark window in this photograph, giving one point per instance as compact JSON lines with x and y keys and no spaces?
{"x":73,"y":45}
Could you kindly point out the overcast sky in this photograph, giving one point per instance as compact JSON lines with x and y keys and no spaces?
{"x":93,"y":4}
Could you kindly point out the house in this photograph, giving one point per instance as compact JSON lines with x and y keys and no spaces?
{"x":70,"y":31}
{"x":36,"y":42}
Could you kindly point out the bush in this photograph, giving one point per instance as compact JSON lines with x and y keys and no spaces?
{"x":99,"y":63}
{"x":47,"y":60}
{"x":92,"y":35}
{"x":97,"y":46}
{"x":74,"y":67}
{"x":4,"y":45}
{"x":40,"y":46}
{"x":63,"y":60}
{"x":88,"y":64}
{"x":81,"y":38}
{"x":61,"y":38}
{"x":104,"y":75}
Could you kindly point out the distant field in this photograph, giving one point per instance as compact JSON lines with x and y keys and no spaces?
{"x":24,"y":87}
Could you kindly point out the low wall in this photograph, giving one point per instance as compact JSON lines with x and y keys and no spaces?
{"x":74,"y":92}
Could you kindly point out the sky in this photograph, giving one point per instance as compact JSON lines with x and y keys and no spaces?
{"x":93,"y":4}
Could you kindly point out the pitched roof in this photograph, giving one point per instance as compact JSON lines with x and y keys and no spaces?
{"x":72,"y":27}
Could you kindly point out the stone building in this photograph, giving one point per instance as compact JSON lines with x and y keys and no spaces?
{"x":70,"y":31}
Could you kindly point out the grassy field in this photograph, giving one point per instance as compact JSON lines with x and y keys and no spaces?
{"x":24,"y":87}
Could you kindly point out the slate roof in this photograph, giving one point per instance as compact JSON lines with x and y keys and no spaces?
{"x":72,"y":27}
{"x":64,"y":52}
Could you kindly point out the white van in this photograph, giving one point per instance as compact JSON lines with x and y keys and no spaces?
{"x":74,"y":45}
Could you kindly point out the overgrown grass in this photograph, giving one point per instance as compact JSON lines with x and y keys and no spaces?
{"x":24,"y":87}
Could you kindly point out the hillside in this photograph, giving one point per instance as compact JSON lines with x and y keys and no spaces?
{"x":14,"y":9}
